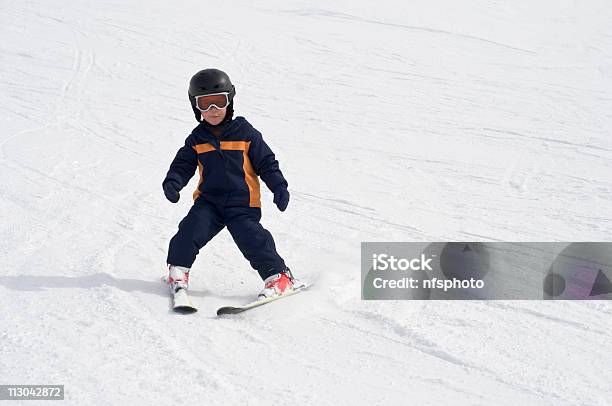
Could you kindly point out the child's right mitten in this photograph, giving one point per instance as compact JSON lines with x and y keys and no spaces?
{"x":171,"y":190}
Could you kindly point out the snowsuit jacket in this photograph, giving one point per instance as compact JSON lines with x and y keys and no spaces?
{"x":229,"y":165}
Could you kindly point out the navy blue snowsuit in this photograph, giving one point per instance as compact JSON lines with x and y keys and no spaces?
{"x":227,"y":194}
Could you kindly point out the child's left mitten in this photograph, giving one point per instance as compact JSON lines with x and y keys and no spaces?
{"x":281,"y":198}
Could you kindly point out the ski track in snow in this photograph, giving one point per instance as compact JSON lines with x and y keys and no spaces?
{"x":392,"y":122}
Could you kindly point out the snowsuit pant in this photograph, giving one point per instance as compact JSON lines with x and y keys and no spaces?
{"x":206,"y":219}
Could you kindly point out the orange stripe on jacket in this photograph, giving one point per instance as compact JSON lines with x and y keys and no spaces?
{"x":197,"y":192}
{"x":202,"y":148}
{"x":235,"y":145}
{"x":251,"y":178}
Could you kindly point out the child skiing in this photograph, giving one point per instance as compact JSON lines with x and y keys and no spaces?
{"x":230,"y":155}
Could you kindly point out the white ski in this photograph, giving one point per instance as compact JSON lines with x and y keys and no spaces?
{"x":239,"y":309}
{"x":181,"y":302}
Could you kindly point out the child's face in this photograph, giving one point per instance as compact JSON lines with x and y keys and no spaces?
{"x":214,"y":116}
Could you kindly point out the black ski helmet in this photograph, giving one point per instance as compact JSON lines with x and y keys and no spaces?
{"x":210,"y":81}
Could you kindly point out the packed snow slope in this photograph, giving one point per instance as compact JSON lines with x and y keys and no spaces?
{"x":393,"y":121}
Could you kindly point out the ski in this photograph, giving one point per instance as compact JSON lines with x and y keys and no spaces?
{"x":181,"y":302}
{"x":239,"y":309}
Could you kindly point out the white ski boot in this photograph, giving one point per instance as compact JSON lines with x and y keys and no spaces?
{"x":280,"y":284}
{"x":178,"y":278}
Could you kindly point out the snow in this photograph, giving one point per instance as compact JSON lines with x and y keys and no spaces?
{"x":393,"y":121}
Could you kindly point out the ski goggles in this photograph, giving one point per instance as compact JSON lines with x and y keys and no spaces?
{"x":205,"y":102}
